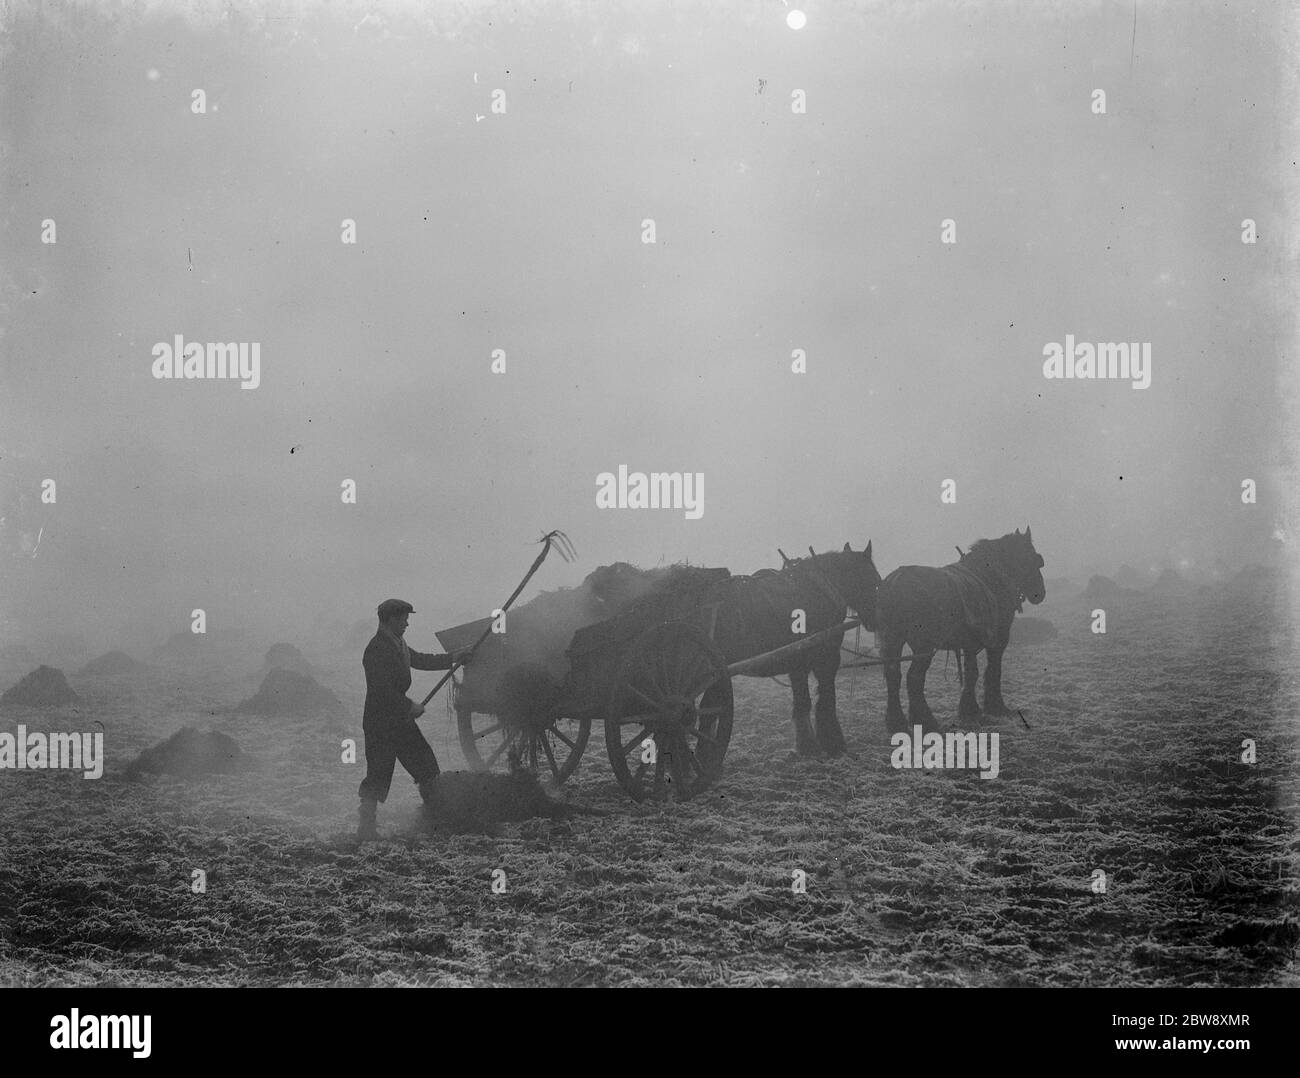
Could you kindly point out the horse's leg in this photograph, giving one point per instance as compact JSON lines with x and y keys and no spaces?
{"x":918,"y":710}
{"x":829,"y":735}
{"x":993,"y":702}
{"x":895,"y":720}
{"x":969,"y":708}
{"x":805,"y":742}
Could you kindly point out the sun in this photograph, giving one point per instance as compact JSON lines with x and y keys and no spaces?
{"x":796,"y":20}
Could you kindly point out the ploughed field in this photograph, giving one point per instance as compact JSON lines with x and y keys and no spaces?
{"x":1131,"y":765}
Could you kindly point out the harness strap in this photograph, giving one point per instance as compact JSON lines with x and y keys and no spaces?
{"x":820,"y":579}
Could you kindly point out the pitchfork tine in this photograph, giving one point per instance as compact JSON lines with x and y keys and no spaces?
{"x":561,"y":543}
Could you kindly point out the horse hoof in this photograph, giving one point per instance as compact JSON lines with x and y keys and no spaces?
{"x":832,"y":746}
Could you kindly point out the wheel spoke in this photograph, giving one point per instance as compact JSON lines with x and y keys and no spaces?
{"x":636,"y":740}
{"x":690,"y":763}
{"x":557,"y":733}
{"x":682,"y":671}
{"x":680,"y":766}
{"x":640,"y":716}
{"x":496,"y":753}
{"x":707,"y":679}
{"x":655,"y":705}
{"x":550,"y":756}
{"x":701,"y":734}
{"x":489,"y":730}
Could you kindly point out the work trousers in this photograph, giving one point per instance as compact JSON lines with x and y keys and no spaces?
{"x":387,"y":742}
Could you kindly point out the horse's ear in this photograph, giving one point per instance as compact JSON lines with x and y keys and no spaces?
{"x":1027,"y":535}
{"x":867,"y":552}
{"x":1017,"y":531}
{"x":847,"y":548}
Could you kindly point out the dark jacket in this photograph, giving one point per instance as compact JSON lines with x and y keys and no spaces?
{"x":388,"y":678}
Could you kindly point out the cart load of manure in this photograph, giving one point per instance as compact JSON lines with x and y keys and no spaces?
{"x":114,"y":664}
{"x":43,"y":687}
{"x":538,"y":632}
{"x":189,"y":753}
{"x":284,"y":692}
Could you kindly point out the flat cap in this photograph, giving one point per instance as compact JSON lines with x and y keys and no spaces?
{"x":394,"y":608}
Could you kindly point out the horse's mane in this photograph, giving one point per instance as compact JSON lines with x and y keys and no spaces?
{"x":988,"y":549}
{"x":990,"y":555}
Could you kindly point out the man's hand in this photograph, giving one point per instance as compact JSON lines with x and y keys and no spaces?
{"x":461,"y":657}
{"x":416,"y":710}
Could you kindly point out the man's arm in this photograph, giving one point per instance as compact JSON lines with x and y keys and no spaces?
{"x":421,"y":660}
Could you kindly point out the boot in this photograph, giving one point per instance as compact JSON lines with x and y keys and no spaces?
{"x":366,"y":830}
{"x":426,"y":787}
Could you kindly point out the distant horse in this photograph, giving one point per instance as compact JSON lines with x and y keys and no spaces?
{"x":967,"y":606}
{"x":756,"y":614}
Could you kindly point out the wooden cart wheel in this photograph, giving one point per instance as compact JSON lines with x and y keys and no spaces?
{"x":673,"y":690}
{"x":529,"y":720}
{"x":554,"y":750}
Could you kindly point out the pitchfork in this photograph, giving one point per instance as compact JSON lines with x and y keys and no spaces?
{"x":555,"y":539}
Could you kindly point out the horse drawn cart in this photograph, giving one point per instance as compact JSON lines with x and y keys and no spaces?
{"x":653,"y":674}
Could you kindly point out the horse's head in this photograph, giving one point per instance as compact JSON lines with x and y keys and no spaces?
{"x":854,"y":575}
{"x":1026,"y":565}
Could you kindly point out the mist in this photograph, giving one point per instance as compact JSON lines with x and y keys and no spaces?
{"x":522,"y":231}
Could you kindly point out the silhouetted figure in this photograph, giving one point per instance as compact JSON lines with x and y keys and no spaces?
{"x":389,"y":719}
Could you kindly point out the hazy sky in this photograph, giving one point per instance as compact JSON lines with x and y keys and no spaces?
{"x":522,"y":232}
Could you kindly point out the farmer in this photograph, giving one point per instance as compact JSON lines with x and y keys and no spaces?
{"x":389,"y":719}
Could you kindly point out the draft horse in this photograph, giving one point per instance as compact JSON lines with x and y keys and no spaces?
{"x":756,"y":614}
{"x":967,"y":607}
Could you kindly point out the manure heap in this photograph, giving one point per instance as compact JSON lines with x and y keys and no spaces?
{"x":470,"y":801}
{"x":43,"y":687}
{"x":114,"y":664}
{"x":287,"y":657}
{"x":1101,"y":589}
{"x":284,"y":692}
{"x":189,"y":753}
{"x":539,"y":631}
